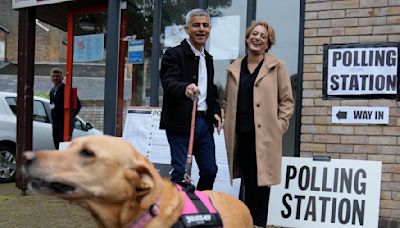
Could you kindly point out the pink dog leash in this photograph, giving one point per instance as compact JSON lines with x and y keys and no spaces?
{"x":188,"y":166}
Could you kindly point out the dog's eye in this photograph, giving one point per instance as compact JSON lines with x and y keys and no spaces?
{"x":86,"y":153}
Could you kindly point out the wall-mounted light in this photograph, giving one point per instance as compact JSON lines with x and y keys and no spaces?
{"x":41,"y":25}
{"x":87,"y":24}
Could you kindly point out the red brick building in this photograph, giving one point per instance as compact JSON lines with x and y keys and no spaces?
{"x":49,"y":47}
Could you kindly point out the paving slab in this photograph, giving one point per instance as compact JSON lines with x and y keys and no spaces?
{"x":38,"y":211}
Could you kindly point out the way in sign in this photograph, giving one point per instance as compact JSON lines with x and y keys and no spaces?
{"x":367,"y":115}
{"x":360,"y":114}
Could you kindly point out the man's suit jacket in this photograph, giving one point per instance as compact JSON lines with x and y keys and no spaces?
{"x":179,"y":68}
{"x":57,"y":100}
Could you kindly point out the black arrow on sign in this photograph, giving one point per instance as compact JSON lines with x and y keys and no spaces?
{"x":341,"y":115}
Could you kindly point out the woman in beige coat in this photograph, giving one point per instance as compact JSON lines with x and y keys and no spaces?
{"x":259,"y":103}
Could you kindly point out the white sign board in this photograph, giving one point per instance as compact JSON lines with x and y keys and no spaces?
{"x":360,"y":115}
{"x":28,"y":3}
{"x":64,"y":145}
{"x":141,"y":129}
{"x":361,"y":70}
{"x":174,"y":34}
{"x":89,"y":47}
{"x":329,"y":194}
{"x":224,"y":37}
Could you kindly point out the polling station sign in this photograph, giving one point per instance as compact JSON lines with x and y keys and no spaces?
{"x":361,"y":71}
{"x":331,"y":194}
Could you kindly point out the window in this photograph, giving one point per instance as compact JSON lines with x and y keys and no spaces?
{"x":78,"y":125}
{"x":12,"y":103}
{"x":284,"y":17}
{"x":39,"y":112}
{"x":229,"y":13}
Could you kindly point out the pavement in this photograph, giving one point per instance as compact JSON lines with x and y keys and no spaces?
{"x":89,"y":88}
{"x":38,"y":211}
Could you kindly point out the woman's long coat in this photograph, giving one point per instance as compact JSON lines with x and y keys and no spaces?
{"x":273,"y":105}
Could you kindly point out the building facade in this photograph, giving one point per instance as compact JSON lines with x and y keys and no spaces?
{"x":49,"y":40}
{"x":348,"y":22}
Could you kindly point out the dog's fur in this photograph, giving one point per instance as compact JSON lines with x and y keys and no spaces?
{"x":116,"y":184}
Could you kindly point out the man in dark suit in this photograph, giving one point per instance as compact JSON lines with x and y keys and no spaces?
{"x":186,"y":71}
{"x":57,"y":102}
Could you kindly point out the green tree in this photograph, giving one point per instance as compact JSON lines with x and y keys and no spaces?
{"x":140,"y":16}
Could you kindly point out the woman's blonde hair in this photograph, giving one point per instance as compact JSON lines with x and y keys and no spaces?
{"x":270,"y":32}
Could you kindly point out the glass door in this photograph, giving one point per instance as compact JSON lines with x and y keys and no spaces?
{"x":284,"y":17}
{"x":226,"y":41}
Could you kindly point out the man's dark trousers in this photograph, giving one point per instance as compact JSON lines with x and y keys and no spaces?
{"x":58,"y":134}
{"x":203,"y":150}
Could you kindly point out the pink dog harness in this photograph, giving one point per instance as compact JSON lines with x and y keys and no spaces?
{"x":197,"y":210}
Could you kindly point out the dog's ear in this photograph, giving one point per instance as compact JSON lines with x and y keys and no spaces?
{"x":142,"y":179}
{"x":146,"y":181}
{"x":132,"y":176}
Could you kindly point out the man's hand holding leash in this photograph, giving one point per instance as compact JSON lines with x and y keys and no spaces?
{"x":191,"y":92}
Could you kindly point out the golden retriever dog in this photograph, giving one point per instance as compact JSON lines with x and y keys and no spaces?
{"x":118,"y":185}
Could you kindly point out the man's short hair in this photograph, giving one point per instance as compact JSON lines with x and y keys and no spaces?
{"x":56,"y":70}
{"x":196,"y":12}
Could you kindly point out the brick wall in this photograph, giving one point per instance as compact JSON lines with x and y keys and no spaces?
{"x":9,"y":19}
{"x":49,"y":47}
{"x":351,"y":21}
{"x":93,"y":111}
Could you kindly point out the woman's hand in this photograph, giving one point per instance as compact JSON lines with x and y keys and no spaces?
{"x":219,"y":123}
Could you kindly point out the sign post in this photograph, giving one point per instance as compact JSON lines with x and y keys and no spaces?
{"x":361,"y":71}
{"x":331,"y":194}
{"x":135,"y":51}
{"x":141,"y":129}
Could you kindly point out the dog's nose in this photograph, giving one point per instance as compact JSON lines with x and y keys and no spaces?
{"x":28,"y":157}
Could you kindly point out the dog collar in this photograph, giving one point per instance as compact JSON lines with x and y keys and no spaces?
{"x":153,"y":211}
